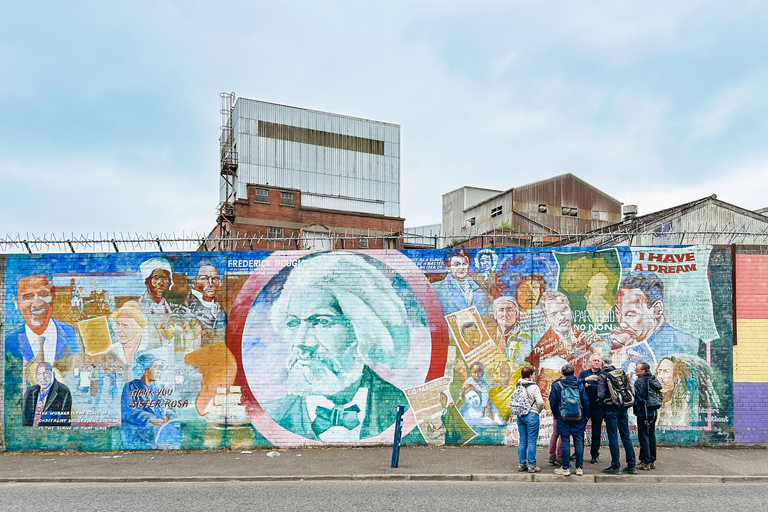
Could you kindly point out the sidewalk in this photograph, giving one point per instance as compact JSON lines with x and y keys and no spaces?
{"x":480,"y":463}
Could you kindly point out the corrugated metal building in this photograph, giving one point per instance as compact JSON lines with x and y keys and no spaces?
{"x":337,"y":162}
{"x":704,"y":221}
{"x":316,"y":162}
{"x":558,"y":205}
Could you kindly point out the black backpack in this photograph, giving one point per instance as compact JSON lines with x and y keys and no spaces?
{"x":654,"y":398}
{"x":620,"y":389}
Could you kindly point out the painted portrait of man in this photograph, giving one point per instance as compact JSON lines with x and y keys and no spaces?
{"x":640,"y":317}
{"x":49,"y":402}
{"x":338,"y":332}
{"x":459,"y":290}
{"x":42,"y":337}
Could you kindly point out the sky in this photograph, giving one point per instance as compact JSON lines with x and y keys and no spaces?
{"x":109,"y":111}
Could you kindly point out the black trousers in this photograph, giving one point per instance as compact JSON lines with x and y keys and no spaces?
{"x":596,"y":417}
{"x":646,"y":436}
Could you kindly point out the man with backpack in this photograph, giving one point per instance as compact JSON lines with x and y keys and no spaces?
{"x":569,"y":403}
{"x":647,"y":402}
{"x":526,"y":403}
{"x":616,"y":394}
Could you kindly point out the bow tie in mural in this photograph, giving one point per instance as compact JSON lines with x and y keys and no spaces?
{"x":338,"y":416}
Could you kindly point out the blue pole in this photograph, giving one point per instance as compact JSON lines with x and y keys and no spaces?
{"x":398,"y":432}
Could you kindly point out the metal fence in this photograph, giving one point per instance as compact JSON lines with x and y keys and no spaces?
{"x":162,"y":242}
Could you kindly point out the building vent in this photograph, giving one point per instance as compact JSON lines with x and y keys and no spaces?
{"x":630,"y":211}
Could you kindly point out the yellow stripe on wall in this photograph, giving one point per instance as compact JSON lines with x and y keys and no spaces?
{"x":750,"y":356}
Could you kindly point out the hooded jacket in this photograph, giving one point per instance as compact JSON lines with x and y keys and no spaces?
{"x":569,"y":428}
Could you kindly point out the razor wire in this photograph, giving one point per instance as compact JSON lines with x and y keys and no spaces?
{"x":197,"y":241}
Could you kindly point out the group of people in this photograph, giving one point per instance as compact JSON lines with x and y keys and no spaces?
{"x":601,"y":394}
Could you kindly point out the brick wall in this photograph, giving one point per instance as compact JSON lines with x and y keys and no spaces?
{"x":289,"y":348}
{"x":750,"y":355}
{"x":253,"y":218}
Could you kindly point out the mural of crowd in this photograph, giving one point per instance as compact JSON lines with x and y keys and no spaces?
{"x":207,"y":350}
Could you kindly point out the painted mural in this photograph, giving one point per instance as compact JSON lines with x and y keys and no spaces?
{"x":243,"y":349}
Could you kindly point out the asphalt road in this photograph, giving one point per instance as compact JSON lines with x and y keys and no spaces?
{"x":374,"y":496}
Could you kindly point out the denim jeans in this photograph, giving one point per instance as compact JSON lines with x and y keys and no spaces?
{"x":528,"y":426}
{"x":617,"y":424}
{"x":646,"y":436}
{"x":578,"y":446}
{"x":596,"y":419}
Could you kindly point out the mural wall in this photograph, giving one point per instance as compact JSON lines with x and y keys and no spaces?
{"x":242,"y":349}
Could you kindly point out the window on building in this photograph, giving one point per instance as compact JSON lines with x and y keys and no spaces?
{"x":542,"y":208}
{"x":275,"y":232}
{"x":471,"y":221}
{"x":262,"y":195}
{"x":570,"y":212}
{"x":363,"y":242}
{"x":598,"y":215}
{"x":495,"y":212}
{"x":286,"y":198}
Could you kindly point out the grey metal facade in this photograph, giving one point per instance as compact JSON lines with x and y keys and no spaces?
{"x":332,"y":178}
{"x":534,"y":208}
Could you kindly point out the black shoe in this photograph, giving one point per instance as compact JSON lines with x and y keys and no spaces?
{"x":573,"y":457}
{"x":630,"y":470}
{"x":595,"y":460}
{"x":612,"y":471}
{"x":554,"y":461}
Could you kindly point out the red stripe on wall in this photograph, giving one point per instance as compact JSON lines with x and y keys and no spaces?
{"x":751,"y":286}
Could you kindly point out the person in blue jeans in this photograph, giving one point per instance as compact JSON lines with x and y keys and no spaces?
{"x":567,"y":427}
{"x":616,"y":424}
{"x":528,"y":425}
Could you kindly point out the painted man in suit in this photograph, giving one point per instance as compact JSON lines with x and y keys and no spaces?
{"x":49,"y":402}
{"x":41,"y":337}
{"x":200,"y":303}
{"x":342,"y":318}
{"x":640,"y":315}
{"x":458,"y":290}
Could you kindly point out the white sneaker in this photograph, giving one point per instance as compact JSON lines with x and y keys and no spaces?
{"x":563,"y":472}
{"x":579,"y":472}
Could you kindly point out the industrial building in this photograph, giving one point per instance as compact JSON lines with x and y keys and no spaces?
{"x":294,"y":178}
{"x":704,"y":221}
{"x":532,"y":214}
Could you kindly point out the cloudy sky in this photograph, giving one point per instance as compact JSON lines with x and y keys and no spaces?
{"x":109,"y":111}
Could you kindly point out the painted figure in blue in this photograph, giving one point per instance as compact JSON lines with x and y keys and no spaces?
{"x":342,"y":317}
{"x":476,"y":381}
{"x":640,"y":315}
{"x":458,"y":290}
{"x":41,"y":337}
{"x":141,"y":407}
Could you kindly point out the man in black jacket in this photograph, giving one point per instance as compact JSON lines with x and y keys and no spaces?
{"x":645,"y":409}
{"x":616,"y":423}
{"x":589,"y":378}
{"x":49,"y":403}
